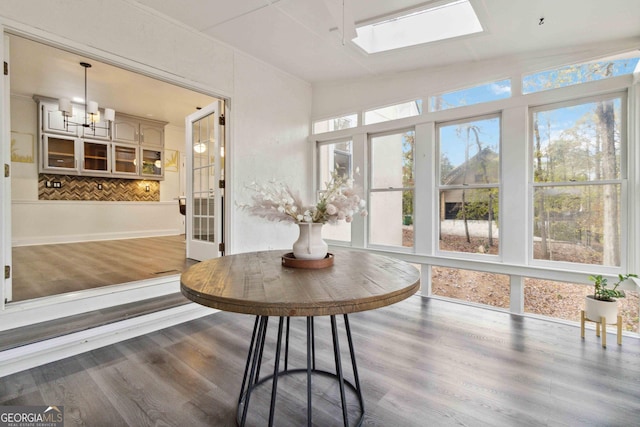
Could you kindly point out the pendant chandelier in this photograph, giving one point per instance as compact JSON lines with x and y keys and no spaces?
{"x":91,"y":112}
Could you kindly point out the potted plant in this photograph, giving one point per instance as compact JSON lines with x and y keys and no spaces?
{"x":603,"y":302}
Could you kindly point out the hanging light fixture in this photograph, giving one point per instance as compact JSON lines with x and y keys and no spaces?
{"x":91,"y":113}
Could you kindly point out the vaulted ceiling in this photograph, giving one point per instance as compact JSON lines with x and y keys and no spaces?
{"x":304,"y":37}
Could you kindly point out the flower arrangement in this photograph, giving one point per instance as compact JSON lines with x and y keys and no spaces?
{"x":277,"y":202}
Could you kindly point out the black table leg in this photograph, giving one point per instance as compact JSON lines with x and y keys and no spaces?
{"x":252,"y":380}
{"x":276,"y":368}
{"x":309,"y":335}
{"x":336,"y":354}
{"x":255,"y":366}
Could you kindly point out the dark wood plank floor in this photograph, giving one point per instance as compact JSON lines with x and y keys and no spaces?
{"x":422,"y":362}
{"x":45,"y":270}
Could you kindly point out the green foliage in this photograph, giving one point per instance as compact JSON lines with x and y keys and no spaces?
{"x":601,"y":292}
{"x":478,"y":203}
{"x":408,"y":148}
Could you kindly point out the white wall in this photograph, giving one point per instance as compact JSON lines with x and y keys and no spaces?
{"x":270,"y":109}
{"x":24,"y":176}
{"x":270,"y":119}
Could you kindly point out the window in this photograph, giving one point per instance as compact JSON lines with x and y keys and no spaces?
{"x":331,"y":157}
{"x":581,"y":73}
{"x":393,"y":112}
{"x":336,"y":123}
{"x":445,"y":21}
{"x":568,"y":299}
{"x":473,"y":95}
{"x":469,"y":172}
{"x":577,"y":181}
{"x":391,"y":189}
{"x":474,"y":286}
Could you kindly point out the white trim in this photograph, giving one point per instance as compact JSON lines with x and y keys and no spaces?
{"x":78,"y":238}
{"x":6,"y":289}
{"x":23,"y":313}
{"x":36,"y":354}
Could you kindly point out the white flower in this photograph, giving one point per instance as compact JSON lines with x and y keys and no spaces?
{"x":331,"y":209}
{"x":341,"y":215}
{"x":300,"y":217}
{"x":349,"y":218}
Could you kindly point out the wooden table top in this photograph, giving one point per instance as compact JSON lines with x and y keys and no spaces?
{"x":257,"y":283}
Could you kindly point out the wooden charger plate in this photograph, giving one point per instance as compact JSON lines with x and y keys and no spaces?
{"x":288,"y":260}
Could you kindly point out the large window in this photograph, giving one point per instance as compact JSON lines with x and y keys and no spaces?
{"x":577,"y":165}
{"x":335,"y":156}
{"x":469,"y":178}
{"x":391,"y":189}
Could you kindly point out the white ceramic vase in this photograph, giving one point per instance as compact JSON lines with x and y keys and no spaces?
{"x":595,"y":309}
{"x":310,"y":244}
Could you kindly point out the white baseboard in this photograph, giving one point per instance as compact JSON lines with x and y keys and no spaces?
{"x":78,"y":238}
{"x":39,"y":353}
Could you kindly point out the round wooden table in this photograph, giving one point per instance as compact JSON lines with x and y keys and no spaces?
{"x":257,"y":283}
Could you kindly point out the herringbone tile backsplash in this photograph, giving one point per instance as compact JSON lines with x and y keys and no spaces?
{"x":86,"y":188}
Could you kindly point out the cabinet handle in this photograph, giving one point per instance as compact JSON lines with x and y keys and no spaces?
{"x":141,"y":137}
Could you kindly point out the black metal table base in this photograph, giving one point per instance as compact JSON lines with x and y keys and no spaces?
{"x":251,"y":378}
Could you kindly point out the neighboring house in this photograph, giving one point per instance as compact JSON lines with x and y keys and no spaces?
{"x":481,"y":168}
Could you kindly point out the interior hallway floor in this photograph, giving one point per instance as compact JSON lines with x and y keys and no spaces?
{"x":45,"y":270}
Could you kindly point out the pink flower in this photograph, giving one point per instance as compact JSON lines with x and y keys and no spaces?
{"x":331,"y":209}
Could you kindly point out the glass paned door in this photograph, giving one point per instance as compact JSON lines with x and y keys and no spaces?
{"x":204,"y":192}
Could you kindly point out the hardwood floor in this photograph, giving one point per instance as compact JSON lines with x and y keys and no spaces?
{"x":422,"y":362}
{"x":45,"y":270}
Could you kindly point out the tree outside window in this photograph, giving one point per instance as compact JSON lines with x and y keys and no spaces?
{"x":578,"y":182}
{"x":469,"y":173}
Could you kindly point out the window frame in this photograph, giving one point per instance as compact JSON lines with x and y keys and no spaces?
{"x":623,"y":95}
{"x":371,"y":189}
{"x":358,"y":121}
{"x":439,"y":187}
{"x":431,"y":98}
{"x":318,"y":182}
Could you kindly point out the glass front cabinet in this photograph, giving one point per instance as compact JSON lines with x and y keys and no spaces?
{"x":125,"y":160}
{"x":96,"y":157}
{"x":129,"y":147}
{"x":59,"y":154}
{"x":152,"y":163}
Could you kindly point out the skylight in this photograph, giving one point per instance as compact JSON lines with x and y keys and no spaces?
{"x":442,"y":22}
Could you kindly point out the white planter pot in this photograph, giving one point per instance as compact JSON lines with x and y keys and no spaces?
{"x":310,"y":244}
{"x":595,"y":309}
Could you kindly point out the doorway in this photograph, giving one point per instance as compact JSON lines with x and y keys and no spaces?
{"x":45,"y":224}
